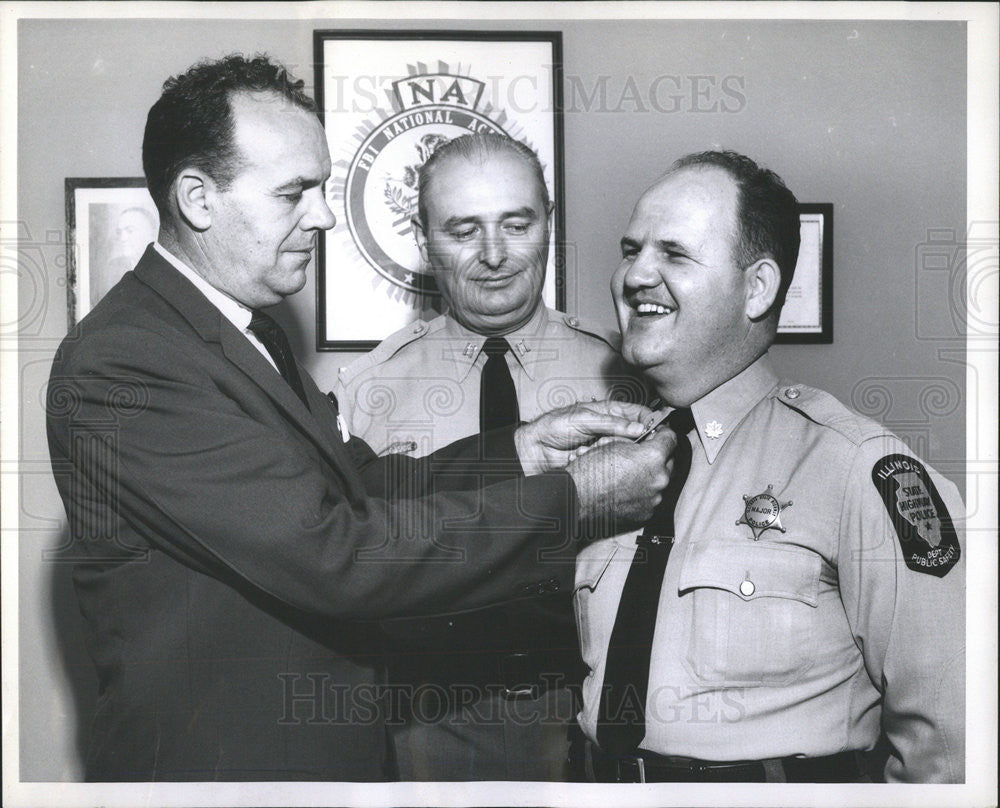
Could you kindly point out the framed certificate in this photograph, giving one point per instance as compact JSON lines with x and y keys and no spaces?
{"x":807,"y":316}
{"x":388,"y":99}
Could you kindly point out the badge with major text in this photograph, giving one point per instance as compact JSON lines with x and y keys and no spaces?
{"x":762,"y":512}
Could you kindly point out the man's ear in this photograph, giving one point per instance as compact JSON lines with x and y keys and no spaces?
{"x":421,"y":238}
{"x":762,"y":280}
{"x":191,"y":190}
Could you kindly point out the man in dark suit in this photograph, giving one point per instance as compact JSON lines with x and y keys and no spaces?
{"x":237,"y":539}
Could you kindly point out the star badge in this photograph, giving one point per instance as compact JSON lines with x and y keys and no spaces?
{"x":713,"y":429}
{"x":762,"y":512}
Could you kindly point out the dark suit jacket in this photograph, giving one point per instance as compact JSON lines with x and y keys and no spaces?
{"x":233,"y":542}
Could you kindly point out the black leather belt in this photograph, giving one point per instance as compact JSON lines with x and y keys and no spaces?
{"x":845,"y":767}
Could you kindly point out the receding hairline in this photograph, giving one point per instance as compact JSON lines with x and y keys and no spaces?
{"x":673,"y":171}
{"x":266,"y":103}
{"x":692,"y":167}
{"x":484,"y":157}
{"x":267,"y":107}
{"x":478,"y":150}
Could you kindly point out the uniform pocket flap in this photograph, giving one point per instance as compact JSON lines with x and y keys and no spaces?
{"x":593,"y":561}
{"x":752,"y":570}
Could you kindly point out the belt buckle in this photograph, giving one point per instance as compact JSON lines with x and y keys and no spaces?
{"x":627,"y":762}
{"x":514,"y":670}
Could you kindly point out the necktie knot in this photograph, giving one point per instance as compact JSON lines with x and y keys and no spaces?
{"x":681,"y":421}
{"x":496,"y":346}
{"x":272,"y":337}
{"x":261,"y":323}
{"x":497,"y":395}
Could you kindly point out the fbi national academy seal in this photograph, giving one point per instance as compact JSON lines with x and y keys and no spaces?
{"x":427,"y":109}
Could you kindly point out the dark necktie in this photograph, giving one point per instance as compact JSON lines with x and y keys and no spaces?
{"x":497,"y":397}
{"x":621,"y":720}
{"x":272,"y":337}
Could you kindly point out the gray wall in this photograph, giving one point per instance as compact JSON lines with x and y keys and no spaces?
{"x":867,"y":115}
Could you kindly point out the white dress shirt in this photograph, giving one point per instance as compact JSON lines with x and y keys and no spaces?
{"x":234,"y":311}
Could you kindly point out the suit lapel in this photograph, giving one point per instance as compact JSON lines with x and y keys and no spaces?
{"x":316,"y":423}
{"x":211,"y":326}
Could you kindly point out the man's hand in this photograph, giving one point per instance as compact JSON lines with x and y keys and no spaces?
{"x":619,"y":483}
{"x":553,"y":439}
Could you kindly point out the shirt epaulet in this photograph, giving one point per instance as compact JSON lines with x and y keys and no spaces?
{"x":607,"y":336}
{"x":386,"y":349}
{"x":823,"y":408}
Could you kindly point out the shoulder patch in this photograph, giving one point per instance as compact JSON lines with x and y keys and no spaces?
{"x":922,"y":523}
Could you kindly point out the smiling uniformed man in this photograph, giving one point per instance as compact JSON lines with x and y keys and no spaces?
{"x":785,"y":612}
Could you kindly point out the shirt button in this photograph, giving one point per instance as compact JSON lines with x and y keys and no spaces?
{"x":572,"y":322}
{"x":747,"y":588}
{"x":418,"y":327}
{"x":791,"y":392}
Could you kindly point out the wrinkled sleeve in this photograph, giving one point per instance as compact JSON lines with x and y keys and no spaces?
{"x":203,"y":476}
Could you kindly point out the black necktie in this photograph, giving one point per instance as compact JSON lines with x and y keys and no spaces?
{"x":621,"y":720}
{"x":272,"y":337}
{"x":497,"y":397}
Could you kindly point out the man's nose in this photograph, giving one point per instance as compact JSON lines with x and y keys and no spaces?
{"x":493,"y":250}
{"x":319,"y":216}
{"x":642,"y":272}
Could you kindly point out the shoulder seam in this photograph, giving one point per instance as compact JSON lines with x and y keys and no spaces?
{"x":853,"y":426}
{"x":384,"y":351}
{"x":576,"y":324}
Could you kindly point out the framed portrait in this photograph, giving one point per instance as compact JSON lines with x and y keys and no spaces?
{"x":109,"y":223}
{"x":388,"y":99}
{"x":807,"y":316}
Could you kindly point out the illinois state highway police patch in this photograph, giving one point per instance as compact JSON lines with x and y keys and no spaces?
{"x":925,"y":530}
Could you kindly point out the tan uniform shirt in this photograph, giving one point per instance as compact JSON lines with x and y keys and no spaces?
{"x":803,"y":640}
{"x":419,"y":389}
{"x":414,"y":393}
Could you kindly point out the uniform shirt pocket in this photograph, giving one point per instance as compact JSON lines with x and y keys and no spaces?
{"x":751,"y":608}
{"x":595,"y":605}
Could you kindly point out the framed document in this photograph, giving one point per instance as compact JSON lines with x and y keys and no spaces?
{"x":388,"y":99}
{"x":807,"y":316}
{"x":109,"y":223}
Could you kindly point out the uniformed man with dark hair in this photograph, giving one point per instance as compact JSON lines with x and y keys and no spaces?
{"x":491,"y":699}
{"x":801,"y":588}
